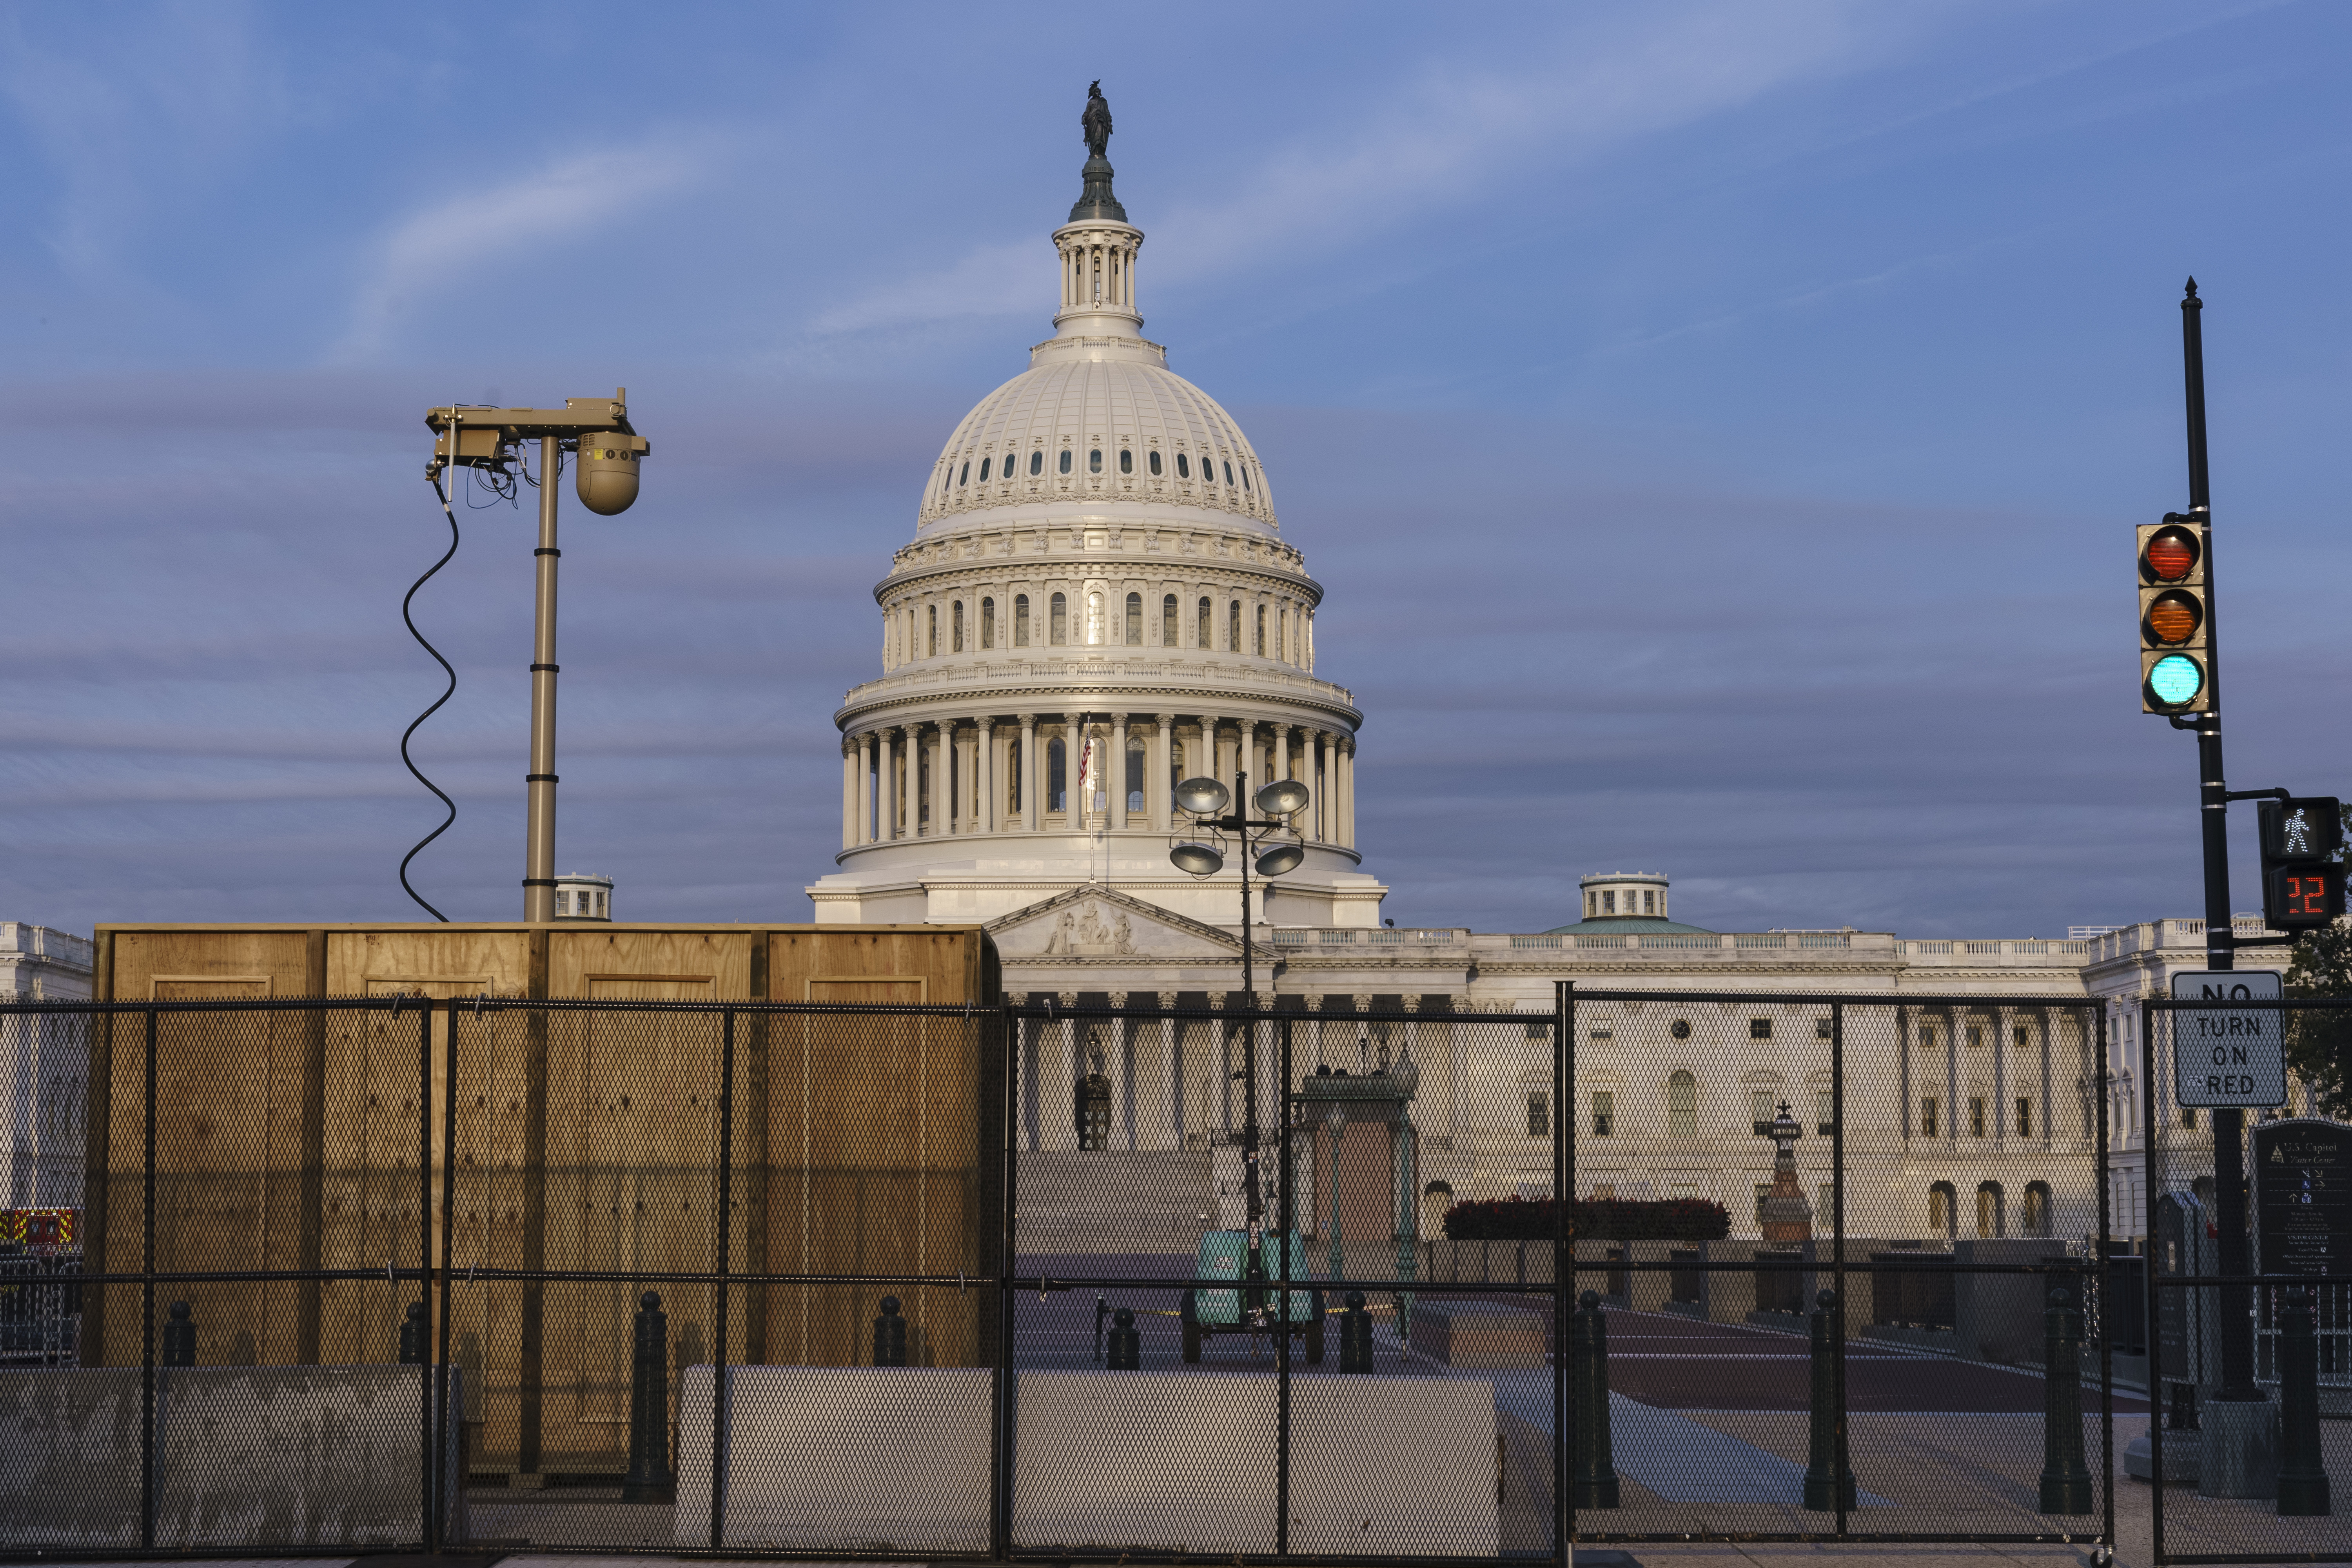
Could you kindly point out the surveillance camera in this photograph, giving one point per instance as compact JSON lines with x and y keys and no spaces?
{"x":607,"y":476}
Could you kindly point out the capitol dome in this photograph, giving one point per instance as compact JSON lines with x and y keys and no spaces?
{"x":1096,"y":603}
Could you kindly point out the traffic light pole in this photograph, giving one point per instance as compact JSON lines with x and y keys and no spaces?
{"x":2229,"y":1124}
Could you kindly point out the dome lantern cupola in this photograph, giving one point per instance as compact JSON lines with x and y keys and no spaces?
{"x":1098,"y":245}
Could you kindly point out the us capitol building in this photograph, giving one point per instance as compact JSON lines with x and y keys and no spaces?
{"x":1098,"y":601}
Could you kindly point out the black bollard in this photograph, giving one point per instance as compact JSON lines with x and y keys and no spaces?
{"x":1829,"y":1480}
{"x":2302,"y":1479}
{"x":180,"y":1338}
{"x":889,"y":1335}
{"x":412,"y":1336}
{"x":1126,"y":1343}
{"x":1355,"y":1335}
{"x":1593,"y":1464}
{"x":2065,"y":1478}
{"x":649,"y":1478}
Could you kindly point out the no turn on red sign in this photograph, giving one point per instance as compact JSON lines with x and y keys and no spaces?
{"x":2226,"y":1057}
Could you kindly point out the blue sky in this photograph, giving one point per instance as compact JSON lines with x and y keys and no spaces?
{"x":1718,"y":427}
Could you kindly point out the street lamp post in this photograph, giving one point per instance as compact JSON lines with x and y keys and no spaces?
{"x":1202,"y":799}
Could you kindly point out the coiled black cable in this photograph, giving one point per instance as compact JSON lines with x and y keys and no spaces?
{"x":448,"y":512}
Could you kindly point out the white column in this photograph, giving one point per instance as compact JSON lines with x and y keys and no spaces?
{"x":848,"y":791}
{"x":886,"y":784}
{"x":865,"y":787}
{"x":934,"y":750}
{"x":988,"y":774}
{"x":1162,"y":776}
{"x":1347,"y":793}
{"x":1029,"y":763}
{"x":1245,"y":743}
{"x":1171,"y":1088}
{"x":1116,"y":774}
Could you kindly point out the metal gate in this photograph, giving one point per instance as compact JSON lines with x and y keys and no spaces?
{"x":1313,"y":1280}
{"x":2250,"y":1346}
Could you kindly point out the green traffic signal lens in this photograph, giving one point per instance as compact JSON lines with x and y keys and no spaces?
{"x":2176,"y":679}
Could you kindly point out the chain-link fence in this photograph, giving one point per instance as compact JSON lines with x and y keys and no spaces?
{"x":2245,"y":1187}
{"x":1337,"y":1276}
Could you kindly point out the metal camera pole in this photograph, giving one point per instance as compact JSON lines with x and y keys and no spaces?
{"x":538,"y":810}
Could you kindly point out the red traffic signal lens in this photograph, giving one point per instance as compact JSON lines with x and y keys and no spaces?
{"x":2171,"y":555}
{"x":2174,"y":619}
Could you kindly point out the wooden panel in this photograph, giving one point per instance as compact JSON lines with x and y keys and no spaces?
{"x":946,"y":958}
{"x":725,"y":956}
{"x":431,"y":961}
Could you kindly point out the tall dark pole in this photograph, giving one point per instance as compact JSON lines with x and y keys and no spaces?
{"x":1249,"y":1047}
{"x":2213,"y":791}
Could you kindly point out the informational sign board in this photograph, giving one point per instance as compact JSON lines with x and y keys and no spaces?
{"x":2302,"y":1197}
{"x":2227,"y":1058}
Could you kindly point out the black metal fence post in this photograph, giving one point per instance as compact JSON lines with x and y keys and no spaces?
{"x":147,"y":1308}
{"x":649,"y":1478}
{"x":1563,"y":1277}
{"x":1355,"y":1335}
{"x":1593,"y":1481}
{"x":2095,"y":1028}
{"x":1282,"y":1221}
{"x":1828,"y":1481}
{"x":726,"y":1220}
{"x":1837,"y":1244}
{"x":444,"y":1476}
{"x":889,"y":1335}
{"x":424,"y":1262}
{"x":180,"y":1337}
{"x":2066,"y":1478}
{"x":1009,"y":1027}
{"x":2150,"y":1192}
{"x":2303,"y":1477}
{"x":411,"y":1335}
{"x":1126,"y":1343}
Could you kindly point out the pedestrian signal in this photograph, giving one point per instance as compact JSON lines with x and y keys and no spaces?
{"x":2176,"y":657}
{"x":2303,"y":881}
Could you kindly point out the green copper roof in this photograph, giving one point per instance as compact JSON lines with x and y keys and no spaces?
{"x":1616,"y":925}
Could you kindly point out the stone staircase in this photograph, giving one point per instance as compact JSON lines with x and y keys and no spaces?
{"x":1112,"y":1201}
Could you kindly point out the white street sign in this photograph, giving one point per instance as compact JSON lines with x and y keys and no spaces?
{"x":2224,"y":1057}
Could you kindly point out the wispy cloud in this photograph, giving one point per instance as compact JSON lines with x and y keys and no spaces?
{"x":1439,"y":138}
{"x":424,"y":253}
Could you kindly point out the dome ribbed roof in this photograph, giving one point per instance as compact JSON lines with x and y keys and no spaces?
{"x":1117,"y":397}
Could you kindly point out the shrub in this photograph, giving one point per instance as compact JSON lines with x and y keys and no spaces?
{"x":1601,"y":1220}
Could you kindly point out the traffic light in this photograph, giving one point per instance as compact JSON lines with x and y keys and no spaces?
{"x":2303,"y":883}
{"x":2176,"y":657}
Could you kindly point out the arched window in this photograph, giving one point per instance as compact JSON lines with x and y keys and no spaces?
{"x":1682,"y":1105}
{"x":932,"y":640}
{"x":1183,"y":467}
{"x":1282,"y":635}
{"x":2035,"y":1219}
{"x":1135,"y":772}
{"x":1229,"y":471}
{"x":1096,"y":633}
{"x":1168,"y":621}
{"x":1036,"y":464}
{"x":1205,"y":638}
{"x":1094,"y":460}
{"x":1261,"y":631}
{"x":1058,"y":632}
{"x":1066,"y":460}
{"x":983,"y":470}
{"x":1155,"y":462}
{"x":1941,"y":1220}
{"x":955,"y":634}
{"x":1020,"y":620}
{"x":1126,"y":460}
{"x":966,"y":477}
{"x":987,"y":624}
{"x":1057,"y":786}
{"x":1013,"y":776}
{"x":1135,"y":620}
{"x":1245,"y":484}
{"x":1991,"y":1221}
{"x":1234,"y":625}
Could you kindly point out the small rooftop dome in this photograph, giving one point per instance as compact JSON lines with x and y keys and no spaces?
{"x":1626,"y":901}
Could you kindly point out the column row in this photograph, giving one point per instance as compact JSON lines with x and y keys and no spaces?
{"x":1062,"y":772}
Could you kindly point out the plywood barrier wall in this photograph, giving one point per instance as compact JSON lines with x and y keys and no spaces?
{"x":577,"y":1140}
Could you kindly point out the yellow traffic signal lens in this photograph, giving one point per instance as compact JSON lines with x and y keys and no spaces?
{"x":2172,"y":554}
{"x":2174,"y":619}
